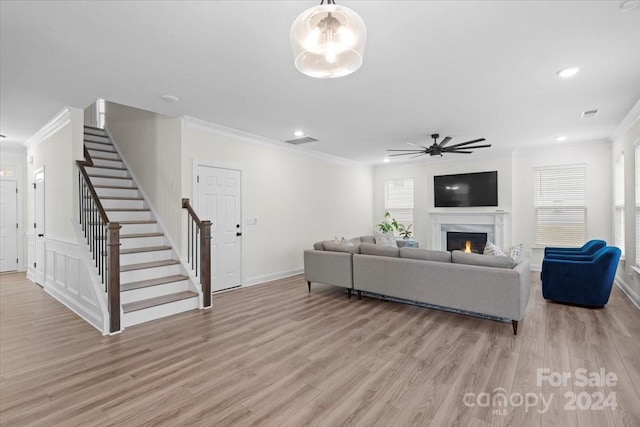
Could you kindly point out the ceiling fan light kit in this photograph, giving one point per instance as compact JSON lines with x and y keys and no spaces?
{"x":438,"y":149}
{"x":328,"y":41}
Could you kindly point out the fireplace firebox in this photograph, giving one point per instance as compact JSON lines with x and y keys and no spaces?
{"x":467,"y":242}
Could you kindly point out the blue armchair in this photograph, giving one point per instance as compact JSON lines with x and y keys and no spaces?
{"x":578,"y":281}
{"x":589,"y":248}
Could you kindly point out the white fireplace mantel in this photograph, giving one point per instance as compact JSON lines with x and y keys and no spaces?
{"x":441,"y":222}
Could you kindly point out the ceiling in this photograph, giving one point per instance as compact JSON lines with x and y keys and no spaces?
{"x":466,"y":69}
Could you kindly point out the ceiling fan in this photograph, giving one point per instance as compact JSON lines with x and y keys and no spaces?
{"x":439,"y":149}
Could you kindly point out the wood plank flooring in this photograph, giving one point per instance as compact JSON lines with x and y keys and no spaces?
{"x":274,"y":355}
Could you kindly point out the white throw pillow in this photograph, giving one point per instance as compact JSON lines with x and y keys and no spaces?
{"x":343,"y":241}
{"x":385,"y":239}
{"x":515,"y":252}
{"x":491,"y":249}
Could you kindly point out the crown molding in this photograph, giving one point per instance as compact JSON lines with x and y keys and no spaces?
{"x":61,"y":119}
{"x":627,"y":122}
{"x":205,"y":126}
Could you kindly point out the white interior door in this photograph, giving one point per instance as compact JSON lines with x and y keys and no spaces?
{"x":8,"y":226}
{"x":219,"y":200}
{"x":38,"y":225}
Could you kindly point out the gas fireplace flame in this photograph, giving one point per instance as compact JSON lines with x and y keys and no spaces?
{"x":467,"y":246}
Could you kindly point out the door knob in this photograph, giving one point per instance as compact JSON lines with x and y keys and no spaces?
{"x":238,"y":234}
{"x":40,"y":235}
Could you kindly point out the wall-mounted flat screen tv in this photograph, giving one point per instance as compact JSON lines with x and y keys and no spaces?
{"x":466,"y":190}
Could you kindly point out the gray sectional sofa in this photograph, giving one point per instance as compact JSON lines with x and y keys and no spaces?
{"x":487,"y":285}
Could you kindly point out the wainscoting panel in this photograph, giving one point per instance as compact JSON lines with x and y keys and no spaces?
{"x":68,"y":281}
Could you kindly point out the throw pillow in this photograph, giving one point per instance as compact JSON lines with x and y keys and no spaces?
{"x":515,"y":252}
{"x":491,"y":249}
{"x":343,"y":241}
{"x":385,"y":239}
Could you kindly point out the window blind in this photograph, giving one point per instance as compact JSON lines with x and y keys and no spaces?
{"x":560,"y":205}
{"x":399,"y":200}
{"x":619,"y":203}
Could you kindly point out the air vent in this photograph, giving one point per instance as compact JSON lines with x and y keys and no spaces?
{"x":303,"y":140}
{"x":589,"y":113}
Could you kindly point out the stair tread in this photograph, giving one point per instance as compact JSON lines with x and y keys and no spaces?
{"x":151,"y":264}
{"x":110,"y":176}
{"x":119,"y":187}
{"x":152,"y":282}
{"x":98,"y":142}
{"x":107,"y":167}
{"x":136,"y":235}
{"x":152,"y":302}
{"x":106,"y":158}
{"x":93,"y":127}
{"x":101,"y":150}
{"x":120,"y":198}
{"x":144,"y":249}
{"x":138,"y":221}
{"x":128,"y":209}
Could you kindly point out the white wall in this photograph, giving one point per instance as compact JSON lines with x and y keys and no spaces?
{"x":625,"y":142}
{"x":596,"y":155}
{"x":423,"y":174}
{"x":150,"y":145}
{"x":298,"y":197}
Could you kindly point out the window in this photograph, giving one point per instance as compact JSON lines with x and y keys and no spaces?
{"x":561,"y":205}
{"x":100,"y":112}
{"x":619,"y":203}
{"x":398,"y":200}
{"x":637,"y":204}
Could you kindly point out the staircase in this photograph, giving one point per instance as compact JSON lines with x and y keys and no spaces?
{"x":153,"y":282}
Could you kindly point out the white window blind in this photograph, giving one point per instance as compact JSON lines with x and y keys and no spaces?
{"x":561,"y":205}
{"x":619,"y":203}
{"x":637,"y":171}
{"x":398,"y":200}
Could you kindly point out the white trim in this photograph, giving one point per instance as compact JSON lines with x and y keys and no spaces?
{"x":205,"y":126}
{"x":627,"y":122}
{"x":633,"y":296}
{"x":22,"y":260}
{"x":496,"y":219}
{"x":61,"y":119}
{"x":257,"y":280}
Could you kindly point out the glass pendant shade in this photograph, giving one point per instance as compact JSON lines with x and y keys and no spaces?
{"x":328,"y":41}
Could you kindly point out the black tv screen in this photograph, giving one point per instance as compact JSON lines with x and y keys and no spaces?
{"x":465,"y":190}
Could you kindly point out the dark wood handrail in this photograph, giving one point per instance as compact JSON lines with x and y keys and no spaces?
{"x":204,"y":234}
{"x":82,"y":164}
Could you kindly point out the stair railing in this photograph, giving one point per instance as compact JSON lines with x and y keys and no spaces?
{"x":103,"y":238}
{"x":199,"y":242}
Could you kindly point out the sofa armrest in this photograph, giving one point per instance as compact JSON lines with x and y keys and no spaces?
{"x":331,"y":268}
{"x":523,"y":268}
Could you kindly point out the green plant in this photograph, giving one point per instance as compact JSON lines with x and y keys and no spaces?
{"x":391,"y":224}
{"x":404,"y":232}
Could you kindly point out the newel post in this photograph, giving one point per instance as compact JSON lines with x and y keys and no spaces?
{"x":113,"y":287}
{"x":205,"y":262}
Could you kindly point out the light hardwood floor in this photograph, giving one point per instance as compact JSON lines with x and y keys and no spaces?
{"x":276,"y":355}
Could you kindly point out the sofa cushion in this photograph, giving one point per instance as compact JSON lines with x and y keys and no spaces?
{"x":318,"y":246}
{"x":339,"y":247}
{"x":367,"y":239}
{"x":425,"y":254}
{"x":385,"y":239}
{"x":373,"y":249}
{"x":460,"y":257}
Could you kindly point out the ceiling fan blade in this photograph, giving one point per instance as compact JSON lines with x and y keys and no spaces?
{"x":402,"y":149}
{"x":467,"y":143}
{"x":406,"y":154}
{"x":444,"y":141}
{"x":458,"y":151}
{"x":469,"y":147}
{"x":419,"y":155}
{"x":416,"y":145}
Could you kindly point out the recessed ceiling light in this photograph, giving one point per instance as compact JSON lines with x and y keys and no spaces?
{"x":298,"y":133}
{"x":2,"y":137}
{"x":568,"y":72}
{"x":589,"y":113}
{"x":170,"y":98}
{"x":561,"y":138}
{"x":386,"y":160}
{"x":629,"y":5}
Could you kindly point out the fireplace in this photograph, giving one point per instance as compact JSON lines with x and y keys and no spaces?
{"x":467,"y":242}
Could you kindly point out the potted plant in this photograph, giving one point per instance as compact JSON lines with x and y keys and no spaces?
{"x":392,"y":225}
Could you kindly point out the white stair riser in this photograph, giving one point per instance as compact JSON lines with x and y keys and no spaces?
{"x":112,"y":155}
{"x":111,"y":181}
{"x":117,"y":203}
{"x":149,"y":273}
{"x":141,"y":242}
{"x":119,"y":192}
{"x":139,"y":228}
{"x":95,"y":146}
{"x":139,"y":257}
{"x":157,"y":312}
{"x":111,"y":172}
{"x":113,"y":163}
{"x":153,"y":291}
{"x":128,"y":215}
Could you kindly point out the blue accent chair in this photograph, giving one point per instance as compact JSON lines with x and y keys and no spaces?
{"x":589,"y":248}
{"x":579,"y":281}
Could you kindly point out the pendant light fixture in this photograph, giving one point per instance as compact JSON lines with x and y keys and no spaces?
{"x":328,"y":41}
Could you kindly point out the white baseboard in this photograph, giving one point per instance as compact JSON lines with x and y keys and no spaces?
{"x":633,"y":296}
{"x":272,"y":276}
